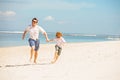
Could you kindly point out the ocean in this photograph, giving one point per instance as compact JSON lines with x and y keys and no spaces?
{"x":14,"y":38}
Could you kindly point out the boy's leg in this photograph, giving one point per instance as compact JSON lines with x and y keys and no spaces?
{"x":55,"y":54}
{"x":55,"y":57}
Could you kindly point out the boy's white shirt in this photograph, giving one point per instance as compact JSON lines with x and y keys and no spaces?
{"x":59,"y":41}
{"x":34,"y":31}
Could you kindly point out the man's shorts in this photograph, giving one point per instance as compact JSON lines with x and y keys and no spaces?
{"x":35,"y":43}
{"x":58,"y":49}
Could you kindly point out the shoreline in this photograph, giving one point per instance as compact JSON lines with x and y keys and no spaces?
{"x":49,"y":43}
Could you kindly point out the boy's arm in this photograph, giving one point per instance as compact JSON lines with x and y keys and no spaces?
{"x":51,"y":40}
{"x":64,"y":42}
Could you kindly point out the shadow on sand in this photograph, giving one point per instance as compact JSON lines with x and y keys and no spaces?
{"x":25,"y":65}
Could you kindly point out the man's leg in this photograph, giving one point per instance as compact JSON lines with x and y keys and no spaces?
{"x":32,"y":45}
{"x":32,"y":52}
{"x":36,"y":50}
{"x":35,"y":56}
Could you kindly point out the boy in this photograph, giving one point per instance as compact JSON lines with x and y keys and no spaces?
{"x":58,"y":47}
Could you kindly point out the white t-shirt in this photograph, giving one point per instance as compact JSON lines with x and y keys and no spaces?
{"x":59,"y":41}
{"x":34,"y":31}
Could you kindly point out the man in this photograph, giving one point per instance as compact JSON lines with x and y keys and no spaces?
{"x":34,"y":30}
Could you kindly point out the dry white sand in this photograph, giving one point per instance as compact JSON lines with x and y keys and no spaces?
{"x":78,"y":61}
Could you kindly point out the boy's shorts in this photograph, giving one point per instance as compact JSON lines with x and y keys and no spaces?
{"x":35,"y":43}
{"x":59,"y":49}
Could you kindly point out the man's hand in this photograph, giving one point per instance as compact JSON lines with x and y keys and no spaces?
{"x":47,"y":40}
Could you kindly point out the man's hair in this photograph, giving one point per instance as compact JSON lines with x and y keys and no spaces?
{"x":35,"y":19}
{"x":58,"y":34}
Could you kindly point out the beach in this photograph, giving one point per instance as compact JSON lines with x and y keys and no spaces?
{"x":78,"y":61}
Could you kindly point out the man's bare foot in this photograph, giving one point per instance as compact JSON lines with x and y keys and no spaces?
{"x":30,"y":60}
{"x":35,"y":62}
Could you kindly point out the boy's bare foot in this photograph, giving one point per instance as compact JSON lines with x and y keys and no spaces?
{"x":53,"y":62}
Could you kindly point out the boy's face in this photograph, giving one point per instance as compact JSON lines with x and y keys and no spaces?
{"x":58,"y":35}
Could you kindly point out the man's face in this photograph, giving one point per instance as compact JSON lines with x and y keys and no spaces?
{"x":34,"y":22}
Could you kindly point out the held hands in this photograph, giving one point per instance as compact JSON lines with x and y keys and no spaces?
{"x":49,"y":40}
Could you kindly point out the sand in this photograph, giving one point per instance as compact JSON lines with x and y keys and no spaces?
{"x":78,"y":61}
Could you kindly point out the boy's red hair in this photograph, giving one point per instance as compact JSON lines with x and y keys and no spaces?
{"x":58,"y":34}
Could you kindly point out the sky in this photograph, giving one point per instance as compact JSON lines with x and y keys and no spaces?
{"x":68,"y":16}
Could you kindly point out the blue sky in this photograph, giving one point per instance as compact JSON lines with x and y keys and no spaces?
{"x":69,"y":16}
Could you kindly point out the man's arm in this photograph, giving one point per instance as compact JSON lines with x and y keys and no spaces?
{"x":23,"y":36}
{"x":46,"y":36}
